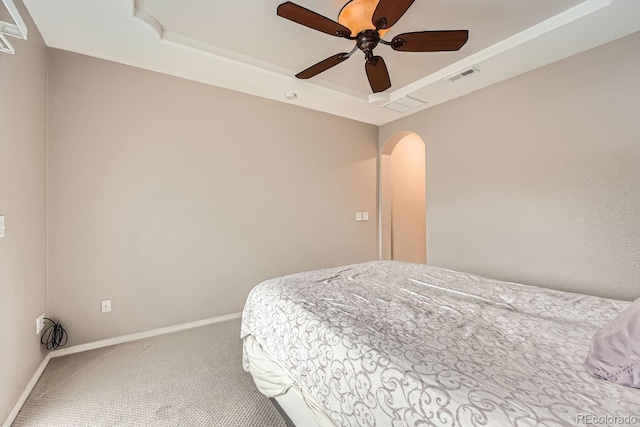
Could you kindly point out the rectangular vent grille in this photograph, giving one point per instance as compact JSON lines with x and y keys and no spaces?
{"x":462,"y":74}
{"x":404,"y":104}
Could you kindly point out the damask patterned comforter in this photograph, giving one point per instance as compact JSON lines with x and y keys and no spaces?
{"x":388,"y":343}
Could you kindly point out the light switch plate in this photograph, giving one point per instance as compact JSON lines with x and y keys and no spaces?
{"x":1,"y":226}
{"x":358,"y":216}
{"x":365,"y":216}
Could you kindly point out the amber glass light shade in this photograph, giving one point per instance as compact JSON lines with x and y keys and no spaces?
{"x":356,"y":16}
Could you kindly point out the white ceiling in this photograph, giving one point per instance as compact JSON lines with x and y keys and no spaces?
{"x":245,"y":46}
{"x":263,"y":35}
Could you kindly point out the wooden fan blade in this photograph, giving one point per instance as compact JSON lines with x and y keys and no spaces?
{"x":323,"y":66}
{"x":378,"y":74}
{"x":308,"y":18}
{"x":388,"y":12}
{"x":430,"y":41}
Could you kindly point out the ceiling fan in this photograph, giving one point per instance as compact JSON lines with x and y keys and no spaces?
{"x":354,"y":18}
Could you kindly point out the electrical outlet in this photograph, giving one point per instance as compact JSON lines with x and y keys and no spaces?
{"x":39,"y":324}
{"x":106,"y":306}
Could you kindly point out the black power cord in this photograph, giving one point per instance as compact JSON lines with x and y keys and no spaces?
{"x":54,"y":336}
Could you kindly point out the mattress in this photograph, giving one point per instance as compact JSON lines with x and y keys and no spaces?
{"x":388,"y":343}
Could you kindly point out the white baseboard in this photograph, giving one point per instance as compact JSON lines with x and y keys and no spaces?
{"x":23,"y":397}
{"x":140,"y":335}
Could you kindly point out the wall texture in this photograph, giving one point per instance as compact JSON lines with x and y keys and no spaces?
{"x":173,"y":198}
{"x":537,"y":179}
{"x":23,"y":292}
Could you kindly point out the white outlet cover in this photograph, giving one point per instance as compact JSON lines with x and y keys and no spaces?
{"x":40,"y":323}
{"x":106,"y":306}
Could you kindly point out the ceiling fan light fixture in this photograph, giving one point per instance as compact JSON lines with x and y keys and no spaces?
{"x":364,"y":21}
{"x":356,"y":15}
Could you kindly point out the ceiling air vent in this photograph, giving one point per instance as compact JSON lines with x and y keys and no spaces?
{"x":461,"y":74}
{"x":403,"y":104}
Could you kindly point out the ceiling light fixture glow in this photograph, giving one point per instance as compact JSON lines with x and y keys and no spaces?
{"x":356,"y":15}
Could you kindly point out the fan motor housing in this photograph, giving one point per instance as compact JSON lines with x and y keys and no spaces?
{"x":367,"y":40}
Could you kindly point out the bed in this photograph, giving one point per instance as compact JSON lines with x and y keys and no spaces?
{"x":388,"y":343}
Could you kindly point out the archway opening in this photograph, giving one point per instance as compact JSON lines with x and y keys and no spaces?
{"x":403,"y":208}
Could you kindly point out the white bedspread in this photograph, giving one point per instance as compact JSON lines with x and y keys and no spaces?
{"x":395,"y":344}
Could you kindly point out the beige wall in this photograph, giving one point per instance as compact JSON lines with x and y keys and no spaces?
{"x":173,"y":198}
{"x":23,"y":291}
{"x":537,"y":179}
{"x":402,"y":192}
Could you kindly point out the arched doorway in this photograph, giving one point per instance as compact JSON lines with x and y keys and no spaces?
{"x":403,"y":225}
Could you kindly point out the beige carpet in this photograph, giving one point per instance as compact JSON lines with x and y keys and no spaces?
{"x":188,"y":378}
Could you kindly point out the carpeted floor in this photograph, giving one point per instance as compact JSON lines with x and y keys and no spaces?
{"x":188,"y":378}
